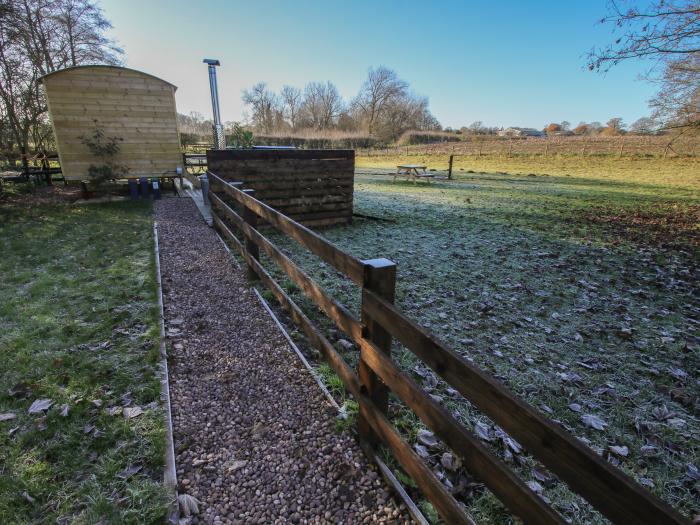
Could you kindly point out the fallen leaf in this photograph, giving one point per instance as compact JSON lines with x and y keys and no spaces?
{"x":427,"y":438}
{"x":40,"y":405}
{"x":575,"y":407}
{"x":64,"y":410}
{"x":620,"y":450}
{"x":535,"y":487}
{"x":648,"y":450}
{"x":114,"y":411}
{"x":483,"y":431}
{"x":19,"y":390}
{"x":593,"y":421}
{"x":189,"y":505}
{"x":129,"y":471}
{"x":131,"y":412}
{"x":662,"y":413}
{"x":540,"y":476}
{"x":237,"y":464}
{"x":421,"y":451}
{"x":7,"y":416}
{"x":692,"y":472}
{"x":647,"y":482}
{"x":449,"y":461}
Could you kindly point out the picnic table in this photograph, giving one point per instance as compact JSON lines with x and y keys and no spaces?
{"x":413,"y":172}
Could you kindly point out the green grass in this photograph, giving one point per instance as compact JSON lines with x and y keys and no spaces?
{"x":670,"y":172}
{"x":570,"y":289}
{"x":80,"y":327}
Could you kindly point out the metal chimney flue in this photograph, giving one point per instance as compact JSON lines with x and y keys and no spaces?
{"x":219,"y":138}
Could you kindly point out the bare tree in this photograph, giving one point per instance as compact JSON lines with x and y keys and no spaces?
{"x":614,"y":126}
{"x":678,"y":100}
{"x":291,"y":104}
{"x":643,"y":126}
{"x":380,"y":89}
{"x":264,"y":106}
{"x":322,"y":105}
{"x":384,"y":106}
{"x":476,"y":127}
{"x":36,"y":38}
{"x":668,"y":32}
{"x":83,"y":36}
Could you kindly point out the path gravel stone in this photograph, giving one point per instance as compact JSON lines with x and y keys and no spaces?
{"x":255,"y":438}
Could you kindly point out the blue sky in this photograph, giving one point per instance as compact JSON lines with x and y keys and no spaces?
{"x":510,"y":63}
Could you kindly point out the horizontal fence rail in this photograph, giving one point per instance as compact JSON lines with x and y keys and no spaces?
{"x":608,"y":489}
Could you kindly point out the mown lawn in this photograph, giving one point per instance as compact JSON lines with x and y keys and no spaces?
{"x":79,"y":331}
{"x":581,"y":294}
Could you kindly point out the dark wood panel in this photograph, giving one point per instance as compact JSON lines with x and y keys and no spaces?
{"x":282,"y":177}
{"x":281,"y":154}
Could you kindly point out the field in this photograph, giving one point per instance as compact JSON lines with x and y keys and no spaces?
{"x":574,"y":283}
{"x":79,"y":343}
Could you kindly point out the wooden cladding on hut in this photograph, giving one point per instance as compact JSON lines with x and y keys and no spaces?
{"x":314,"y":187}
{"x":136,"y":108}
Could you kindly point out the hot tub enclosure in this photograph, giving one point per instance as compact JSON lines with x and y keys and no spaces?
{"x":136,"y":107}
{"x":312,"y":186}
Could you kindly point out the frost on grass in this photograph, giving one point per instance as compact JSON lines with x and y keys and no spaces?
{"x":596,"y":325}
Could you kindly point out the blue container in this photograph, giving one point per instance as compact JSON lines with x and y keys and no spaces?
{"x":143,"y":181}
{"x":133,"y":189}
{"x":155,"y":185}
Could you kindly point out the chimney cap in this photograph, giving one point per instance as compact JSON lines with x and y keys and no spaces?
{"x":211,"y":61}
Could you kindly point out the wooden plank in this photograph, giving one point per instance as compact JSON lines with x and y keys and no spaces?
{"x":302,"y":190}
{"x":214,"y":155}
{"x":72,"y":105}
{"x":448,"y":508}
{"x":312,"y":208}
{"x":313,"y":200}
{"x":478,"y":460}
{"x":344,"y":263}
{"x":299,"y":217}
{"x":323,"y":223}
{"x":291,"y":163}
{"x":338,"y":313}
{"x":276,"y":174}
{"x":608,"y":489}
{"x":316,"y":338}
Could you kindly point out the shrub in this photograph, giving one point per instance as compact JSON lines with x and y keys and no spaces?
{"x":104,"y":148}
{"x":412,"y":137}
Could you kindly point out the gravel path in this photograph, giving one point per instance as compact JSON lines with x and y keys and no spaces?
{"x":254,"y":437}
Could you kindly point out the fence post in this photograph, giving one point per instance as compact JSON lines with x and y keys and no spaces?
{"x":380,"y":278}
{"x":449,"y":171}
{"x":251,"y":219}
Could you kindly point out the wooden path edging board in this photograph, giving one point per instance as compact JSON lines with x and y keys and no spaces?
{"x":170,"y":474}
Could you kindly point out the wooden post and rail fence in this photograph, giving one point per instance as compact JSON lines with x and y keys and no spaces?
{"x":605,"y":487}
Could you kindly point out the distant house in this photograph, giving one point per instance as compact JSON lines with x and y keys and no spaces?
{"x":520,"y":132}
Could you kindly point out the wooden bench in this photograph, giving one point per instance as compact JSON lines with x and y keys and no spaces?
{"x":413,"y":172}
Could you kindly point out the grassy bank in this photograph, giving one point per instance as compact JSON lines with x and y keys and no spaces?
{"x":683,"y":172}
{"x":80,"y":332}
{"x":577,"y":292}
